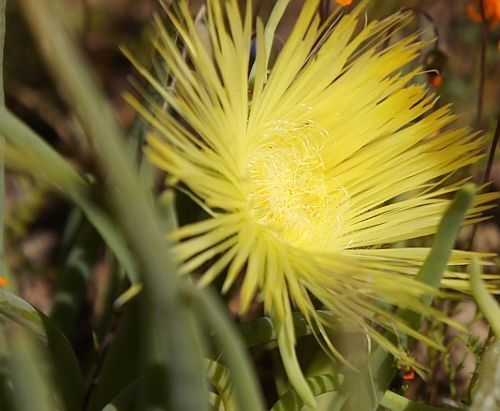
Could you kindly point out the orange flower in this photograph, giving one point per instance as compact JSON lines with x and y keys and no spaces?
{"x":491,"y":11}
{"x":344,"y":2}
{"x":3,"y":281}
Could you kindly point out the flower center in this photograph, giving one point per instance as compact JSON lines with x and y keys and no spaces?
{"x":290,"y":191}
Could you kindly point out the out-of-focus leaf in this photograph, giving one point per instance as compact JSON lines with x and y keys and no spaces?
{"x":32,"y":154}
{"x":121,"y":364}
{"x":71,"y":290}
{"x":246,"y":391}
{"x":261,"y":330}
{"x":27,"y":150}
{"x":5,"y":386}
{"x":4,"y":382}
{"x":125,"y":400}
{"x":319,"y":384}
{"x":3,"y":24}
{"x":22,"y":312}
{"x":3,"y":3}
{"x":484,"y":300}
{"x":218,"y":375}
{"x":487,"y":388}
{"x":176,"y":336}
{"x":395,"y":402}
{"x":31,"y":383}
{"x":322,"y":384}
{"x":487,"y":391}
{"x":66,"y":372}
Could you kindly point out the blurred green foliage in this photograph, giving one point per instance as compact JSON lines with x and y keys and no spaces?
{"x":167,"y":344}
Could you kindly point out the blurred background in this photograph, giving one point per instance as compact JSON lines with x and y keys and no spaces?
{"x":37,"y":217}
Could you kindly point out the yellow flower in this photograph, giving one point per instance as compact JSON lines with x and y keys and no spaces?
{"x":309,"y":169}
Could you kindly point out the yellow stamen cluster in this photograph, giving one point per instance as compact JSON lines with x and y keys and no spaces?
{"x":289,"y":191}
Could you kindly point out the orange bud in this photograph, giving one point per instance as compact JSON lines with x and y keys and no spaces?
{"x":408,"y":375}
{"x":436,"y":80}
{"x":344,"y":2}
{"x":3,"y":281}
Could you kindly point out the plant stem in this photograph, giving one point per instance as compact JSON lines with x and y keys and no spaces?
{"x":487,"y":174}
{"x":482,"y":65}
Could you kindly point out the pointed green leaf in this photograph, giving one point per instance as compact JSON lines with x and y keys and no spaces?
{"x":487,"y":391}
{"x":381,"y":368}
{"x":486,"y":303}
{"x":32,"y":388}
{"x":395,"y":402}
{"x":67,"y":373}
{"x":177,"y":339}
{"x":246,"y":390}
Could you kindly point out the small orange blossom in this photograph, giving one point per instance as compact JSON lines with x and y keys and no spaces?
{"x":491,"y":11}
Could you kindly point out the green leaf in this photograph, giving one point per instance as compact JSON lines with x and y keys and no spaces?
{"x":322,"y":384}
{"x":176,"y":337}
{"x":32,"y":388}
{"x":23,"y":313}
{"x":121,"y":363}
{"x":435,"y":264}
{"x":247,"y":393}
{"x":34,"y":155}
{"x":67,"y":376}
{"x":5,"y":383}
{"x":487,"y":391}
{"x":3,"y":3}
{"x":319,"y":384}
{"x":261,"y":330}
{"x":395,"y":402}
{"x":71,"y":289}
{"x":374,"y":379}
{"x":486,"y":303}
{"x":125,"y":400}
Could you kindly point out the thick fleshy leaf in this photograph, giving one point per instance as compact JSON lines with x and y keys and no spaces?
{"x":487,"y":391}
{"x":121,"y":363}
{"x":246,"y":391}
{"x":381,"y":367}
{"x":395,"y":402}
{"x":486,"y":303}
{"x":177,"y":338}
{"x":66,"y":371}
{"x":32,"y":385}
{"x":319,"y":384}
